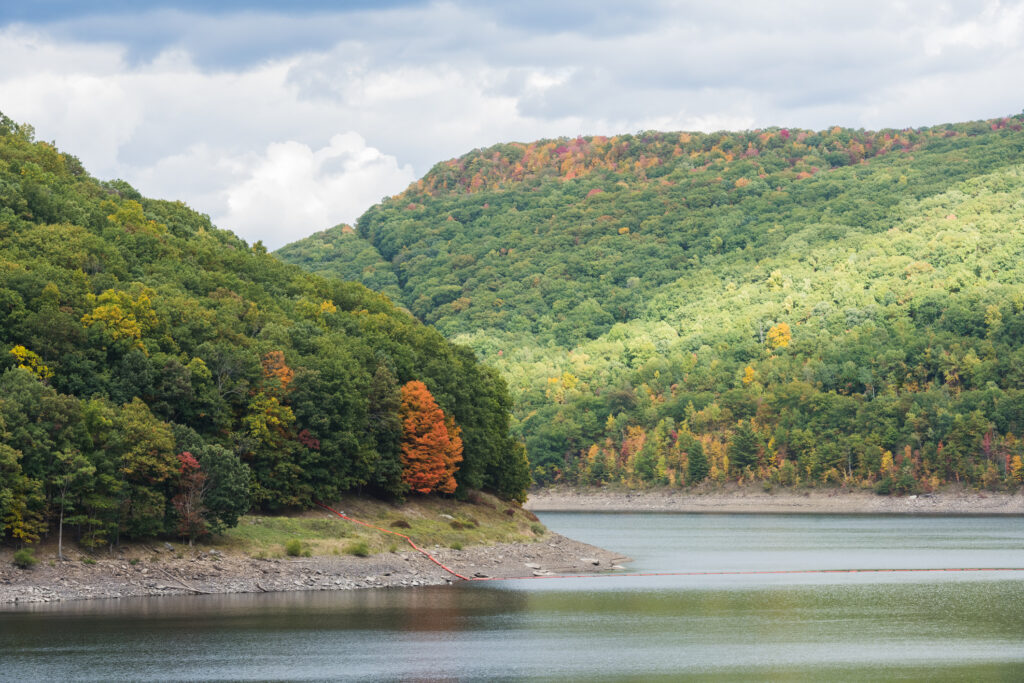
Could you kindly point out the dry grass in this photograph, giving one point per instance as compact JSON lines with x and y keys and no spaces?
{"x":432,"y":521}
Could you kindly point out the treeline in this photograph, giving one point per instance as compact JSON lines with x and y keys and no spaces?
{"x":158,"y":375}
{"x":809,"y":307}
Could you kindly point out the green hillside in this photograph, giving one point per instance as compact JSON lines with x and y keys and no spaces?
{"x":133,"y":332}
{"x":839,"y":306}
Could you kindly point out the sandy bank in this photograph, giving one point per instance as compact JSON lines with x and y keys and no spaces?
{"x":750,"y":500}
{"x":161,"y":569}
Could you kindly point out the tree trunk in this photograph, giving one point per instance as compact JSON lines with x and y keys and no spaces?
{"x":60,"y":535}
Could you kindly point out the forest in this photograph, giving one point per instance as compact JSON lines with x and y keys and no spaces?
{"x":791,"y":307}
{"x":159,"y":376}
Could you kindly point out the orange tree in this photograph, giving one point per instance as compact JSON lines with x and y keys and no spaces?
{"x":431,"y":446}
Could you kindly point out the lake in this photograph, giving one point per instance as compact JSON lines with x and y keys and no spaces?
{"x":799,"y":626}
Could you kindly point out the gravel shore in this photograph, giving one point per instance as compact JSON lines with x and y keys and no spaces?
{"x":749,"y":500}
{"x":163,"y":569}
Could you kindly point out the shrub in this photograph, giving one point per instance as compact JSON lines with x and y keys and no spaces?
{"x":25,"y":558}
{"x":538,"y":529}
{"x":359,"y":549}
{"x":400,"y":524}
{"x":456,"y":546}
{"x":884,"y":487}
{"x":293,"y":548}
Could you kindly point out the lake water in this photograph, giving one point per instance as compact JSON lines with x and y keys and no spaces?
{"x":807,"y":626}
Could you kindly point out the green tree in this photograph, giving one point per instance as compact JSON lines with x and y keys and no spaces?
{"x":744,"y":447}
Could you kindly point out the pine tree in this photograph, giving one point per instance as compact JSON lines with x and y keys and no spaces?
{"x":743,"y":447}
{"x":430,"y":454}
{"x":697,"y":467}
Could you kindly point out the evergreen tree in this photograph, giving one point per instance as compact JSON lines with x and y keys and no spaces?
{"x":743,"y":447}
{"x":697,"y":463}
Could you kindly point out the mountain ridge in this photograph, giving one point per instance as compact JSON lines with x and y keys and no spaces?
{"x":576,"y":284}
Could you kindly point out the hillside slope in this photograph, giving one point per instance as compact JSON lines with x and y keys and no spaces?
{"x":832,"y":306}
{"x":133,"y":331}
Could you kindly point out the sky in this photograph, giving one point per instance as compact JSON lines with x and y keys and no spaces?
{"x":281,"y":119}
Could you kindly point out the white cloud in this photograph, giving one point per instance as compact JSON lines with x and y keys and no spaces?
{"x":292,"y":187}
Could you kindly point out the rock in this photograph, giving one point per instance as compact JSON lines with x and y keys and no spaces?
{"x":532,"y":565}
{"x":446,"y":516}
{"x":481,"y":575}
{"x":168,"y":546}
{"x":590,"y":560}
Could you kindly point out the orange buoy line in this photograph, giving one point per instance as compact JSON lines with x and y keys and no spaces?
{"x":754,"y":572}
{"x":750,"y":572}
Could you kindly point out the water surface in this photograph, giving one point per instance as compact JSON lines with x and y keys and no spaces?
{"x":915,"y":626}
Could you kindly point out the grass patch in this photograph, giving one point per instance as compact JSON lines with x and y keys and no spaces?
{"x":25,"y":558}
{"x":359,"y":549}
{"x":428,"y":520}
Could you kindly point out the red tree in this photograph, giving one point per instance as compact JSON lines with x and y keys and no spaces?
{"x":431,"y":447}
{"x":189,"y":501}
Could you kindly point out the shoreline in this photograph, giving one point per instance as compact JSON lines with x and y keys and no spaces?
{"x":164,"y":569}
{"x":781,"y":501}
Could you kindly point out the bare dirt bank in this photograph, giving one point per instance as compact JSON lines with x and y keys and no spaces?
{"x":749,"y":500}
{"x":163,"y":569}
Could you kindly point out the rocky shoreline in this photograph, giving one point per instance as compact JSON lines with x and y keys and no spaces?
{"x":779,"y":501}
{"x":164,"y":569}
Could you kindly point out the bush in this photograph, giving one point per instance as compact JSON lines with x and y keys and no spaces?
{"x":359,"y":549}
{"x":456,"y":546}
{"x":25,"y":558}
{"x":293,"y":548}
{"x":538,"y":529}
{"x":884,"y":487}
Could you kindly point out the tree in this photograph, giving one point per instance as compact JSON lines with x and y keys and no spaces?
{"x":147,"y":461}
{"x":779,"y":336}
{"x":430,"y":455}
{"x":743,"y":447}
{"x":73,"y":469}
{"x":188,"y":503}
{"x":697,"y":463}
{"x":228,"y":492}
{"x":384,"y":404}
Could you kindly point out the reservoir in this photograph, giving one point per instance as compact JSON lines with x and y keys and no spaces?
{"x":792,"y":625}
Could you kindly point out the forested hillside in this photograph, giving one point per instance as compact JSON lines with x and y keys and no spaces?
{"x":158,"y":375}
{"x":817,"y":307}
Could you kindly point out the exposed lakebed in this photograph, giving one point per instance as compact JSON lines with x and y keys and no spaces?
{"x":956,"y":625}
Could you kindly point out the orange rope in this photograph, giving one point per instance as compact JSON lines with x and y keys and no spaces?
{"x":694,"y":573}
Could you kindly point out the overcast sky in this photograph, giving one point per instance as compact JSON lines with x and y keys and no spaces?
{"x":281,"y":123}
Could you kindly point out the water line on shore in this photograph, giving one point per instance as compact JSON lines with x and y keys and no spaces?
{"x":750,"y":572}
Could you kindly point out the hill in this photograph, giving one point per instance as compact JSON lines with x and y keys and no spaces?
{"x":158,"y":375}
{"x":838,"y":306}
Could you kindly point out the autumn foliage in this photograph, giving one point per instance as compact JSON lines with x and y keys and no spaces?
{"x":431,"y":445}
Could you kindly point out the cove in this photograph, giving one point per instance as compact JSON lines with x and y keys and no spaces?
{"x":936,"y":626}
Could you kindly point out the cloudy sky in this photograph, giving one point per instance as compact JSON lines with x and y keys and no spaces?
{"x":278,"y":123}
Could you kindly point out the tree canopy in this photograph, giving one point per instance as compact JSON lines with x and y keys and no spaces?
{"x":159,"y":375}
{"x":829,"y":307}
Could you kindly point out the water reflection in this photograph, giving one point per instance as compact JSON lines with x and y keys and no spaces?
{"x":800,"y":627}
